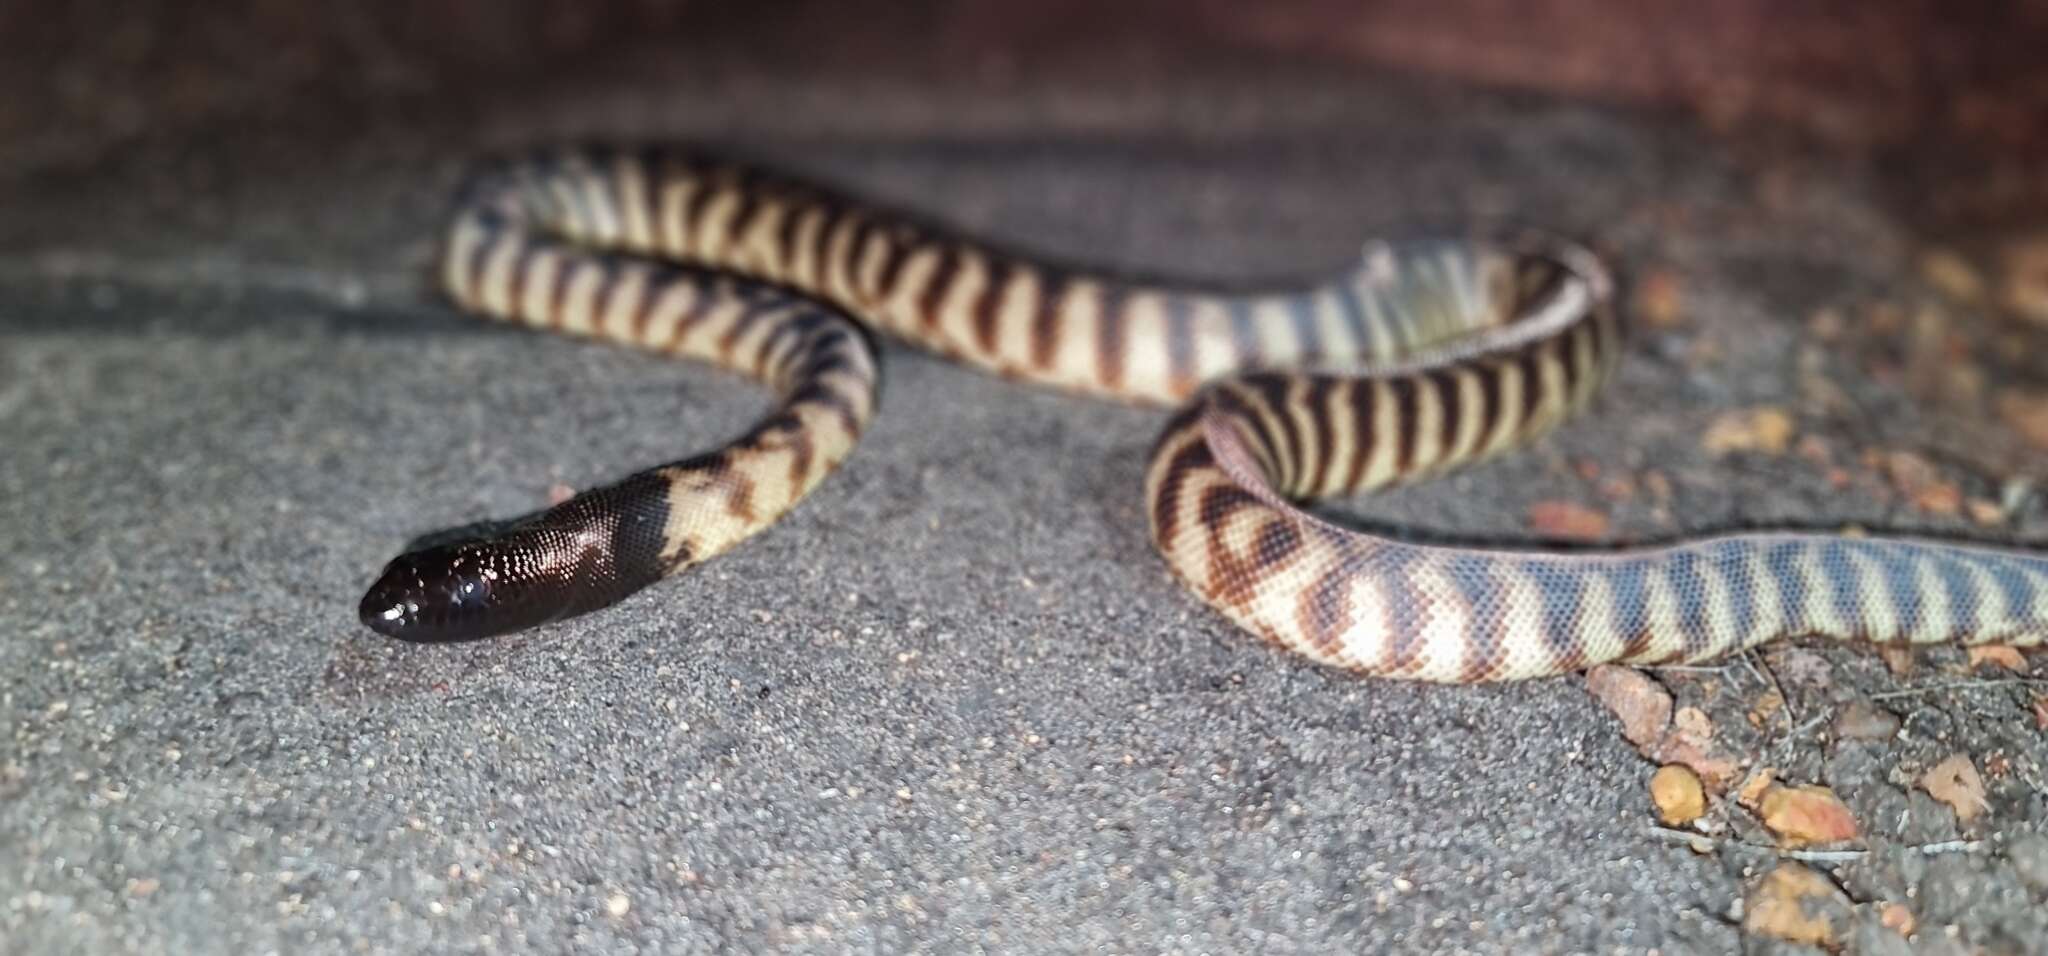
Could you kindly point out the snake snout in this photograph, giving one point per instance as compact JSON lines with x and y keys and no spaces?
{"x":439,"y":594}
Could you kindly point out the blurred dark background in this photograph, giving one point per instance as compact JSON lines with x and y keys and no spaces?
{"x":1952,"y":95}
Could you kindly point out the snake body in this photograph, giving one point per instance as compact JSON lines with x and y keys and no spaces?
{"x":1420,"y":358}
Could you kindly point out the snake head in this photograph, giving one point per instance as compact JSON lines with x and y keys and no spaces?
{"x":457,"y":592}
{"x":581,"y":555}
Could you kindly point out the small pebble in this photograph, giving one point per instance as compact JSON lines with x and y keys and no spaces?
{"x":1864,"y":720}
{"x":1676,"y":791}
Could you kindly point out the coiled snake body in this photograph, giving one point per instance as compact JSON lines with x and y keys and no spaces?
{"x":1423,"y":357}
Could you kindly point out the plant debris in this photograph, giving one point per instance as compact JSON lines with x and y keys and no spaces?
{"x":1767,"y":429}
{"x":1569,"y":520}
{"x":1955,"y":782}
{"x":1797,"y":905}
{"x":1806,"y":815}
{"x":1677,"y":794}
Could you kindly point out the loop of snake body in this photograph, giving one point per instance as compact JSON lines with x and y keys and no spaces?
{"x":1422,"y":357}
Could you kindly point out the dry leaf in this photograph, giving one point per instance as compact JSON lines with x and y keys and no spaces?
{"x":1767,"y":429}
{"x":1806,"y":815}
{"x":1565,"y":519}
{"x":1676,"y":792}
{"x":2001,"y":655}
{"x":1797,"y":905}
{"x":1955,"y":782}
{"x":1897,"y":658}
{"x":1643,"y":707}
{"x":2040,"y":712}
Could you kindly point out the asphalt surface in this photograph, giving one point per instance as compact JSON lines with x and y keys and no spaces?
{"x":954,"y":700}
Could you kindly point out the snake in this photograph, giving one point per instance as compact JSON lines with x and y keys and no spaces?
{"x":1418,"y":357}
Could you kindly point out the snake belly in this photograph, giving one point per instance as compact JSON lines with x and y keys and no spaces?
{"x":1419,"y":358}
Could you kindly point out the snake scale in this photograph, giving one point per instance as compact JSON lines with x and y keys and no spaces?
{"x":1421,"y":357}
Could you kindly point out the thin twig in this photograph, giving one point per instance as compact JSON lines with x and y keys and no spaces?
{"x":1802,"y":729}
{"x":1960,"y":685}
{"x":1784,"y":700}
{"x":1951,"y":846}
{"x":1707,"y":844}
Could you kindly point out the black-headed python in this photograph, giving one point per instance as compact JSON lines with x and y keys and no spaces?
{"x":1422,"y":357}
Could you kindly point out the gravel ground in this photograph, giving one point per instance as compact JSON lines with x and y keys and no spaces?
{"x":954,"y":700}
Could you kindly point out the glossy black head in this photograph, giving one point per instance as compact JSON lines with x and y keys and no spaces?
{"x":459,"y":592}
{"x":581,"y":555}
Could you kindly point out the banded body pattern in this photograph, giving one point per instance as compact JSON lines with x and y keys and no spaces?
{"x":1005,"y":313}
{"x":594,"y":549}
{"x":1224,"y":473}
{"x":1420,"y":358}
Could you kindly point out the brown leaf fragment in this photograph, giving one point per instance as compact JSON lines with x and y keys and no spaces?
{"x":1806,"y":815}
{"x":1676,"y":792}
{"x":1659,"y":300}
{"x":1767,"y":429}
{"x":1955,"y":782}
{"x":1797,"y":905}
{"x":1569,"y":520}
{"x":1689,"y":742}
{"x":1984,"y":512}
{"x":1767,"y":705}
{"x":1898,"y":658}
{"x":1941,"y":498}
{"x":1953,"y":275}
{"x":1643,"y":707}
{"x":1896,"y":917}
{"x":1908,"y":472}
{"x":1715,"y":771}
{"x":2026,"y":413}
{"x":1752,"y":793}
{"x":1998,"y":655}
{"x":2040,"y":712}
